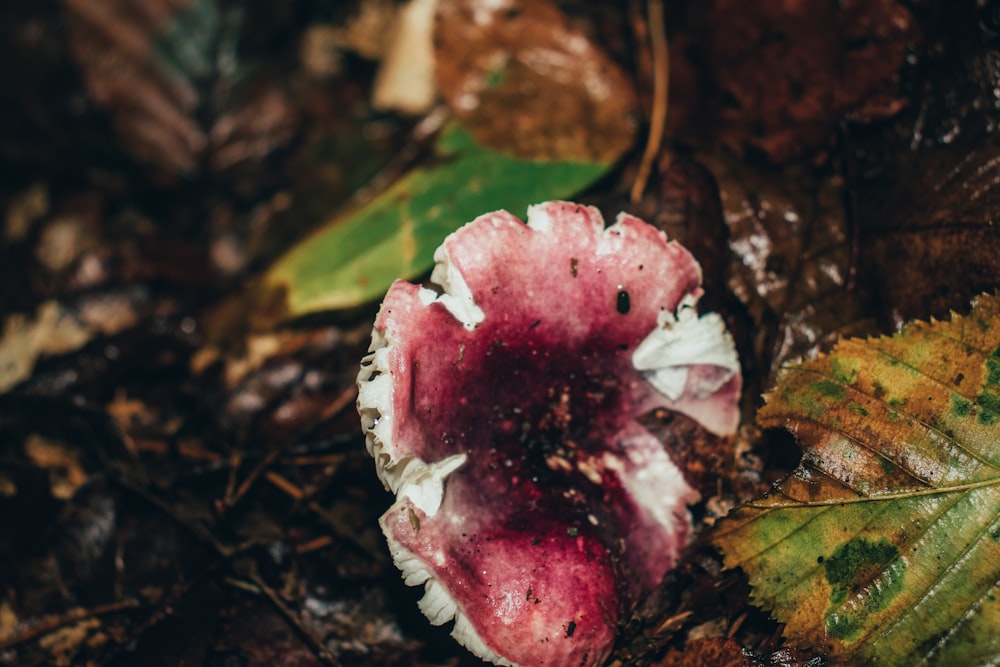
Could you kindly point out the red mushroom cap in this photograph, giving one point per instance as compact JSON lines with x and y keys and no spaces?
{"x":501,"y":412}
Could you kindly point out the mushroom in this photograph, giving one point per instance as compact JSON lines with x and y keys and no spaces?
{"x":501,"y":412}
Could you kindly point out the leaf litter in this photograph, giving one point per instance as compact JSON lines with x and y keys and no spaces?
{"x":539,"y":112}
{"x":242,"y":512}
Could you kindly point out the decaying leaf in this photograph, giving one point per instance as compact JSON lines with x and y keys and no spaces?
{"x":791,"y":236}
{"x":66,"y":473}
{"x":24,"y":339}
{"x":23,"y":210}
{"x":711,"y":651}
{"x":355,"y":257}
{"x":521,"y":77}
{"x":926,"y":190}
{"x":791,"y":70}
{"x":883,"y":547}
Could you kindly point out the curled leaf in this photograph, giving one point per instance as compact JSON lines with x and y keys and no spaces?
{"x":883,"y":547}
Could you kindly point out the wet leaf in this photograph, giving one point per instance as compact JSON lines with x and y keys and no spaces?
{"x":883,"y":547}
{"x":926,"y":189}
{"x":790,"y":235}
{"x":523,"y":78}
{"x":355,"y":257}
{"x":790,"y":71}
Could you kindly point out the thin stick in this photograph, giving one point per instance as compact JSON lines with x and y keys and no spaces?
{"x":231,"y":500}
{"x":54,"y":622}
{"x":734,"y":628}
{"x":235,"y":461}
{"x":197,"y":529}
{"x":341,"y":402}
{"x":673,"y":623}
{"x":321,"y":542}
{"x":661,"y":86}
{"x":284,"y":485}
{"x":292,"y":618}
{"x":333,"y":460}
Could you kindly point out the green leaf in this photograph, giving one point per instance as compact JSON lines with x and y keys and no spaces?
{"x":883,"y":546}
{"x":354,"y":258}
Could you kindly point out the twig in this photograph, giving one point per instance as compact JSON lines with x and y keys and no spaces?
{"x":316,"y":544}
{"x":232,"y":499}
{"x":344,"y":399}
{"x":734,"y":628}
{"x":292,"y":618}
{"x":165,"y":606}
{"x":341,"y":531}
{"x":661,"y":86}
{"x":285,"y":485}
{"x":235,"y":460}
{"x":188,"y":450}
{"x":333,"y":460}
{"x":51,"y":623}
{"x":672,"y":624}
{"x":196,"y":529}
{"x":244,"y":586}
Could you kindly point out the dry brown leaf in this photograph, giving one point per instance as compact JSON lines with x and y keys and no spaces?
{"x":714,"y":651}
{"x":522,"y":78}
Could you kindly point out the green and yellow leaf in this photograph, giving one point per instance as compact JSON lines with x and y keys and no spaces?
{"x":883,"y":546}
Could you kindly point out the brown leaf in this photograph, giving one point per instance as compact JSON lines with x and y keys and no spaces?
{"x":113,"y":42}
{"x":714,"y":651}
{"x":926,"y":188}
{"x":521,"y":77}
{"x":791,"y":70}
{"x":790,"y":237}
{"x":66,"y":474}
{"x":687,"y":208}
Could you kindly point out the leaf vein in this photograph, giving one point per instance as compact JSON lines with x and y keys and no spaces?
{"x":929,"y":428}
{"x":938,"y":580}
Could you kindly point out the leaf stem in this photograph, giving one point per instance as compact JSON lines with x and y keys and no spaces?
{"x":902,"y":495}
